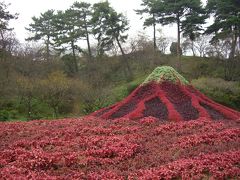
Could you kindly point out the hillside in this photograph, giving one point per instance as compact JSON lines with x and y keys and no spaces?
{"x":30,"y":89}
{"x":126,"y":147}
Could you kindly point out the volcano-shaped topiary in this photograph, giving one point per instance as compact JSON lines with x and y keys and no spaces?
{"x":166,"y":95}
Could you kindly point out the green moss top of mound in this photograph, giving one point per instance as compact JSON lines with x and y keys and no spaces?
{"x":165,"y":73}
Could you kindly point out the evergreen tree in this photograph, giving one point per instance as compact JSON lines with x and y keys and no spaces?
{"x":43,"y":29}
{"x":226,"y":28}
{"x":84,"y":14}
{"x":68,"y":33}
{"x":101,"y":16}
{"x":226,"y":23}
{"x":154,"y":15}
{"x":109,"y":27}
{"x":5,"y":17}
{"x":188,"y":15}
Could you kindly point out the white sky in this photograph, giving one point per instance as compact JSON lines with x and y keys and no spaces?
{"x":29,"y":8}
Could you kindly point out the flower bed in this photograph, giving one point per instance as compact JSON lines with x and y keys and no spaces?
{"x":93,"y":148}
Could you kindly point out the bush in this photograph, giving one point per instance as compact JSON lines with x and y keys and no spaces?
{"x":224,"y":92}
{"x":6,"y":115}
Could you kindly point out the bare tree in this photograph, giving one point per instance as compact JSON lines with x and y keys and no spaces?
{"x":202,"y":44}
{"x":163,"y":42}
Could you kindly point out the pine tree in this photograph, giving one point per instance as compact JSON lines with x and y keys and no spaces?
{"x":226,"y":23}
{"x":109,"y":27}
{"x":43,"y":29}
{"x":5,"y":17}
{"x":154,"y":15}
{"x":188,"y":15}
{"x":84,"y":14}
{"x":68,"y":33}
{"x":101,"y":16}
{"x":226,"y":27}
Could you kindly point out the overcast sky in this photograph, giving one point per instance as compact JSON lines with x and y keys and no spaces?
{"x":29,"y":8}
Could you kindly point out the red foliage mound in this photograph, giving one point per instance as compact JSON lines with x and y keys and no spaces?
{"x":167,"y":101}
{"x":92,"y":148}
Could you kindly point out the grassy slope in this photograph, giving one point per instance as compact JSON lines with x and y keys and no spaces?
{"x":107,"y":84}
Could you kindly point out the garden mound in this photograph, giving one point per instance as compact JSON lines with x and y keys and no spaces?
{"x":166,"y":95}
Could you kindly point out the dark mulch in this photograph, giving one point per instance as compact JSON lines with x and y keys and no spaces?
{"x":155,"y":108}
{"x":124,"y":110}
{"x":101,"y":112}
{"x":215,"y":115}
{"x":131,"y":104}
{"x":182,"y":103}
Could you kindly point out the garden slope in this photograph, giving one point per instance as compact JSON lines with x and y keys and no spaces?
{"x":166,"y":95}
{"x":134,"y":139}
{"x":93,"y":148}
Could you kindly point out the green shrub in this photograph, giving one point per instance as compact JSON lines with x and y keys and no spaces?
{"x":224,"y":92}
{"x":132,"y":86}
{"x":6,"y":115}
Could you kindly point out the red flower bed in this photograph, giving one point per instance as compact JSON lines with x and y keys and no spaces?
{"x":93,"y":148}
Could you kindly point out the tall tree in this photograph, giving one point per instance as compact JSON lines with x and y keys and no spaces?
{"x":226,"y":23}
{"x":101,"y":15}
{"x":118,"y":26}
{"x":83,"y":12}
{"x":191,"y":26}
{"x":68,"y":33}
{"x":188,"y":15}
{"x":226,"y":27}
{"x":5,"y":17}
{"x":110,"y":27}
{"x":43,"y":29}
{"x":153,"y":15}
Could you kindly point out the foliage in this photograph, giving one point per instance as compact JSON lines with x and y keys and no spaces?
{"x":165,"y":73}
{"x":91,"y":148}
{"x":5,"y":16}
{"x":226,"y":92}
{"x":188,"y":15}
{"x":26,"y":92}
{"x":43,"y":29}
{"x":55,"y":90}
{"x":108,"y":26}
{"x":226,"y":23}
{"x":6,"y":115}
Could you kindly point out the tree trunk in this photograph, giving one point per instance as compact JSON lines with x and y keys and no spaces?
{"x":55,"y":113}
{"x":29,"y":106}
{"x":230,"y":62}
{"x":125,"y":58}
{"x":154,"y":33}
{"x":3,"y":41}
{"x":88,"y":41}
{"x":178,"y":42}
{"x":234,"y":43}
{"x":48,"y":51}
{"x":192,"y":47}
{"x":74,"y":56}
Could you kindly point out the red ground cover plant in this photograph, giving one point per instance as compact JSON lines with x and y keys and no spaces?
{"x":93,"y":148}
